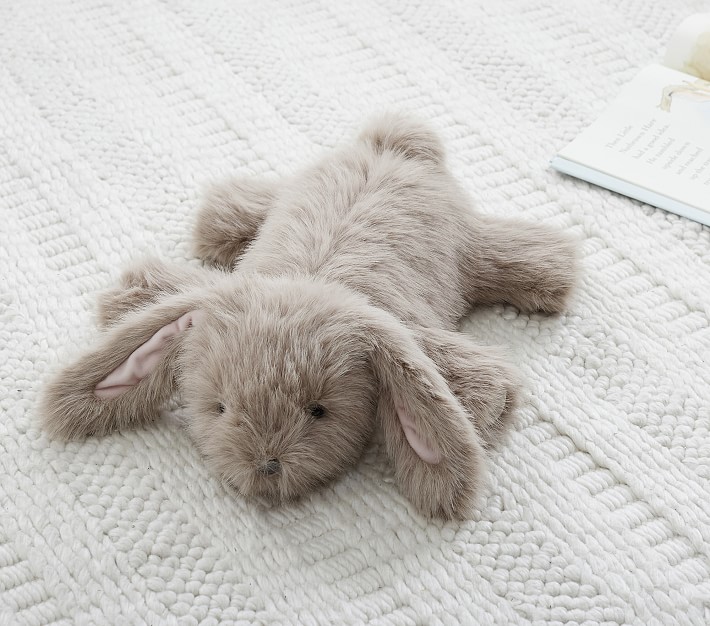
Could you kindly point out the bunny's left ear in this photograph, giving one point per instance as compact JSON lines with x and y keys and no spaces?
{"x":437,"y":455}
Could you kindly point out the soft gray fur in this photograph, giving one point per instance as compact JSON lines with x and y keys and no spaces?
{"x":340,"y":289}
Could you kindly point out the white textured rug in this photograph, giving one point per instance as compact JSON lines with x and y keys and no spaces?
{"x":598,"y":509}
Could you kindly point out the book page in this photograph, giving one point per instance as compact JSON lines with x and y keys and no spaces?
{"x":655,"y":135}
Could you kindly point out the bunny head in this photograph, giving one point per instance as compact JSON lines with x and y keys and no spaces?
{"x":284,"y":382}
{"x":284,"y":397}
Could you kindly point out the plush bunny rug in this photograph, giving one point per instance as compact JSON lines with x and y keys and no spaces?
{"x":597,"y":509}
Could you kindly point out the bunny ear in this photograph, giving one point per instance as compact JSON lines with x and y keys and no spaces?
{"x":482,"y":380}
{"x":437,"y":455}
{"x":123,"y":380}
{"x":144,"y":359}
{"x":427,"y":451}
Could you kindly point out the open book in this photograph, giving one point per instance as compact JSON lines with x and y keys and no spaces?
{"x":653,"y":142}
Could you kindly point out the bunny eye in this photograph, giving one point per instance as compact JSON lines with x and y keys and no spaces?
{"x":316,"y":410}
{"x":221,"y":408}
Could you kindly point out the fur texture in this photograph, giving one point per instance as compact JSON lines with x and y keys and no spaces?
{"x":336,"y":317}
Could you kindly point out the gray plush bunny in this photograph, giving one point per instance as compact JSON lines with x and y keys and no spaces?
{"x":334,"y":313}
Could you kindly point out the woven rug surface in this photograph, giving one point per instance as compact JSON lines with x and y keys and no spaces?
{"x":112,"y":116}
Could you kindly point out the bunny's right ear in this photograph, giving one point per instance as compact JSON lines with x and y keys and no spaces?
{"x":124,"y":380}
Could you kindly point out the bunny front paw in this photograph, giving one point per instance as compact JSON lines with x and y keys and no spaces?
{"x":137,"y":287}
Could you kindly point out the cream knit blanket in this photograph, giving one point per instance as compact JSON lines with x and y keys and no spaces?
{"x":111,"y":117}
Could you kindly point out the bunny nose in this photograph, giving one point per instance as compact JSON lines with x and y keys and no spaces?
{"x":270,"y":467}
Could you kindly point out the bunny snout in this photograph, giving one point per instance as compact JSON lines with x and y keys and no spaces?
{"x":269,"y":467}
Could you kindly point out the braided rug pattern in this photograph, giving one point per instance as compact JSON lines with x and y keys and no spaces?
{"x":112,"y":115}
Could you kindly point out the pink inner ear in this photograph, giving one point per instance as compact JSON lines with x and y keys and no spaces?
{"x":424,"y":450}
{"x":144,"y":359}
